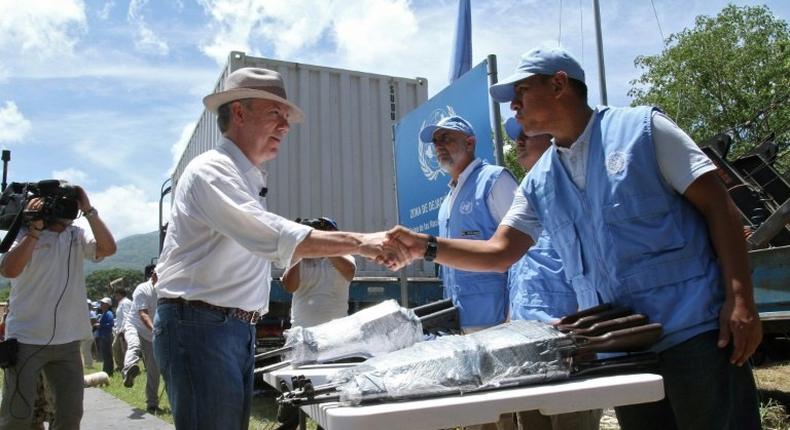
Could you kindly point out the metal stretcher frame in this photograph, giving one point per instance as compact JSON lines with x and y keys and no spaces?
{"x":479,"y":408}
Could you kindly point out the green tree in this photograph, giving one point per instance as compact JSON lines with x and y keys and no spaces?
{"x":730,"y":73}
{"x":511,"y":162}
{"x":98,"y":282}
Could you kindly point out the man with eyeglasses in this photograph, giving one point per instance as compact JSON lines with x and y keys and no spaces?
{"x":480,"y":195}
{"x":215,"y":267}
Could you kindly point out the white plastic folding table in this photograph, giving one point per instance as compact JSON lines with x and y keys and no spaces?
{"x":485,"y":407}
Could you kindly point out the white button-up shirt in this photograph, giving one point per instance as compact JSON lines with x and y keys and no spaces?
{"x":221,"y":239}
{"x":121,"y":314}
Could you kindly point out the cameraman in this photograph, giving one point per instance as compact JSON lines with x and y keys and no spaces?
{"x":319,"y":285}
{"x":48,"y":313}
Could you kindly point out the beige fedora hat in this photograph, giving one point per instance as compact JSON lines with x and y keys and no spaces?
{"x":253,"y":83}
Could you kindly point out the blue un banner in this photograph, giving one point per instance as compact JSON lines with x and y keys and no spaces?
{"x":421,"y":184}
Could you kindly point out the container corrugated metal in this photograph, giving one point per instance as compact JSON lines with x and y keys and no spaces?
{"x":339,"y":162}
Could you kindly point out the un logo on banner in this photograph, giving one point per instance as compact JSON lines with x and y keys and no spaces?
{"x":426,"y":153}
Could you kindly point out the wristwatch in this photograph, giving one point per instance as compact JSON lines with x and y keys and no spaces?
{"x":430,"y":249}
{"x":92,"y":212}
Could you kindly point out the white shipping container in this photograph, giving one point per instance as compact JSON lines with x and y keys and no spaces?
{"x":339,"y":162}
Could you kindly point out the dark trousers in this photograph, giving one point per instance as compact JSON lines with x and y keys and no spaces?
{"x":703,"y":391}
{"x":104,"y":344}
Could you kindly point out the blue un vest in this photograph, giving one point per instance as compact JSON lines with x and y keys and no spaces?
{"x":538,"y":287}
{"x":480,"y":297}
{"x":628,"y":238}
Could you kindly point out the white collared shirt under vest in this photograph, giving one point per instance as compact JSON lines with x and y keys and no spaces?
{"x":221,"y":239}
{"x":500,"y":198}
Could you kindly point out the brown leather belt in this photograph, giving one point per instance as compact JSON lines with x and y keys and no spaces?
{"x":239,"y":314}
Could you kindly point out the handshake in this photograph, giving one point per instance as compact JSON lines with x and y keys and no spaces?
{"x":395,"y":248}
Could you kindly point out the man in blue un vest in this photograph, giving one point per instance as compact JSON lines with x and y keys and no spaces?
{"x":539,"y":289}
{"x":480,"y":195}
{"x":640,"y":219}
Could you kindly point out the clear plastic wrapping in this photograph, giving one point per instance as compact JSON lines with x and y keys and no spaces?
{"x":372,"y":331}
{"x":516,"y":352}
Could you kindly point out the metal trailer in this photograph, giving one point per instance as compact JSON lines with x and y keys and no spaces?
{"x":338,"y":163}
{"x":762,"y":196}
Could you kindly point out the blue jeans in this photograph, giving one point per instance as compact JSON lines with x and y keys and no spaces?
{"x":206,"y":359}
{"x":703,"y":391}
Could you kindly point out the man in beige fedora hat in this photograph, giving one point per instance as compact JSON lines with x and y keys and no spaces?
{"x":215,"y":268}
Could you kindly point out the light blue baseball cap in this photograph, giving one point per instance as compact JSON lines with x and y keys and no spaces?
{"x":455,"y":123}
{"x":512,"y":128}
{"x":539,"y":61}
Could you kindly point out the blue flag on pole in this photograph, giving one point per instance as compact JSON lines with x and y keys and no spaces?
{"x":462,"y":48}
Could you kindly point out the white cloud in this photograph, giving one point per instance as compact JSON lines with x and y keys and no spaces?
{"x":146,"y":41}
{"x":13,"y":125}
{"x":364,"y":31}
{"x":357,"y":28}
{"x":125,"y":210}
{"x":72,"y":175}
{"x":178,"y":148}
{"x":104,"y":12}
{"x":46,"y":27}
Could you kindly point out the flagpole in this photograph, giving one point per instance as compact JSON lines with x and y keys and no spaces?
{"x":599,"y":45}
{"x":496,"y":118}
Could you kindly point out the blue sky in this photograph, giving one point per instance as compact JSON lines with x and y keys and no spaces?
{"x":105,"y":93}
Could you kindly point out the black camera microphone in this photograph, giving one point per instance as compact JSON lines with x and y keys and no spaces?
{"x":263,"y":192}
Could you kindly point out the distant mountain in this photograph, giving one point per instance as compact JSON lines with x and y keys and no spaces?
{"x":134,"y":252}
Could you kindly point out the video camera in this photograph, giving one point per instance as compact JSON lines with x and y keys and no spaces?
{"x":59,"y":201}
{"x":323,"y":223}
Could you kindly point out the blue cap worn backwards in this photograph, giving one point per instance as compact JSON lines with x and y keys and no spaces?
{"x":540,"y":61}
{"x":512,"y":128}
{"x":455,"y":123}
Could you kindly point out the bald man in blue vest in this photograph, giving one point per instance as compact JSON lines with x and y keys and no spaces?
{"x":640,"y":219}
{"x":480,"y":195}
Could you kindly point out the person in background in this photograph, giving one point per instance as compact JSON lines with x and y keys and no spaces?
{"x":87,"y":344}
{"x":139,"y":336}
{"x":104,"y":329}
{"x":539,"y":289}
{"x":319,"y":285}
{"x":121,"y":313}
{"x":320,"y":294}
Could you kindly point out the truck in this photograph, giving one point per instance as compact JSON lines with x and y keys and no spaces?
{"x":338,"y":163}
